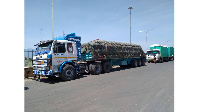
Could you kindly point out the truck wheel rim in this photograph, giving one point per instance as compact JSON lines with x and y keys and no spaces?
{"x":69,"y":73}
{"x":98,"y":68}
{"x":135,"y":63}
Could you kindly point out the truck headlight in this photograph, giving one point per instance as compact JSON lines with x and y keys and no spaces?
{"x":34,"y":67}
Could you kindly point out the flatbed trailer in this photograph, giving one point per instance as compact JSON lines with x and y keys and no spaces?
{"x":106,"y":63}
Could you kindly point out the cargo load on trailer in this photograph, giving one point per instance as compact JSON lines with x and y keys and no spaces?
{"x":101,"y":49}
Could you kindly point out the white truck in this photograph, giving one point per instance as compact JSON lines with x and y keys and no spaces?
{"x":154,"y":52}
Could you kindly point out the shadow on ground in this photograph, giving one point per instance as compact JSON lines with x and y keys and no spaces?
{"x":54,"y":80}
{"x":122,"y":68}
{"x":26,"y":88}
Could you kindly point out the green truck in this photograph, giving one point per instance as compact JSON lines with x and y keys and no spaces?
{"x":162,"y":53}
{"x":171,"y":53}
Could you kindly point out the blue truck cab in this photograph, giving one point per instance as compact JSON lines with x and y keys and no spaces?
{"x":52,"y":56}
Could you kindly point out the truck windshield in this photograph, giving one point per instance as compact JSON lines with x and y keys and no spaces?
{"x":152,"y":52}
{"x":44,"y":47}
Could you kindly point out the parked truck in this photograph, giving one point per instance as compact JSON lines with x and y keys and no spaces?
{"x":62,"y":57}
{"x":161,"y":53}
{"x":171,"y":53}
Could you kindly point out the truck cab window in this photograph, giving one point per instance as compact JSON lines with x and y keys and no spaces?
{"x":69,"y":48}
{"x":59,"y":48}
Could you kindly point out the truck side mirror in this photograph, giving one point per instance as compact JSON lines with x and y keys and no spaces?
{"x":54,"y":48}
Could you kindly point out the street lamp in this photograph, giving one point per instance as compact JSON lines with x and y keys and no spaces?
{"x":52,"y":21}
{"x":130,"y":21}
{"x":146,"y":33}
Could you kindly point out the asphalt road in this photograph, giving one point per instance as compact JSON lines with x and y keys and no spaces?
{"x":148,"y":88}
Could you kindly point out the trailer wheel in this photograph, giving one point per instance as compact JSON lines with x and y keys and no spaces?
{"x":135,"y":63}
{"x":167,"y":59}
{"x":143,"y":63}
{"x":106,"y":67}
{"x":96,"y":68}
{"x":68,"y":73}
{"x":132,"y":63}
{"x":139,"y":63}
{"x":90,"y":69}
{"x":172,"y":58}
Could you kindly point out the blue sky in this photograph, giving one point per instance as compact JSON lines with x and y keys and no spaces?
{"x":100,"y":19}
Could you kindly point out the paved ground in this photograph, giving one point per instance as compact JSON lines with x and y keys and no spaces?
{"x":148,"y":88}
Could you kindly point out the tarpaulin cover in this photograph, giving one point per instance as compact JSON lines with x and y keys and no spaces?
{"x":111,"y":49}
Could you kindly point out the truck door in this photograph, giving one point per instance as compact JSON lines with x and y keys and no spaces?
{"x":59,"y":54}
{"x":71,"y":51}
{"x":63,"y":51}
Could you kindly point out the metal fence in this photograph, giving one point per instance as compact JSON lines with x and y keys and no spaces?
{"x":28,"y":57}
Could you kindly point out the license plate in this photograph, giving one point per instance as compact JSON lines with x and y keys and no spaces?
{"x":39,"y":63}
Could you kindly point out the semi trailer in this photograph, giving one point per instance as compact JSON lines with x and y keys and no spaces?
{"x":67,"y":58}
{"x":171,"y":53}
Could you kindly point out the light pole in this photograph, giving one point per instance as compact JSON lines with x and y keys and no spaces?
{"x":41,"y":34}
{"x":130,"y":21}
{"x":146,"y":33}
{"x":52,"y":21}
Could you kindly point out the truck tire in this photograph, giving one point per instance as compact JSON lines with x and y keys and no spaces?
{"x":68,"y":73}
{"x":135,"y":63}
{"x":90,"y":69}
{"x":167,"y":59}
{"x":161,"y":60}
{"x":106,"y":67}
{"x":143,"y":62}
{"x":139,"y":63}
{"x":132,"y":63}
{"x":96,"y":68}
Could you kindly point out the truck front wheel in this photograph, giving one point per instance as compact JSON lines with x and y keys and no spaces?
{"x":68,"y":73}
{"x":161,"y":60}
